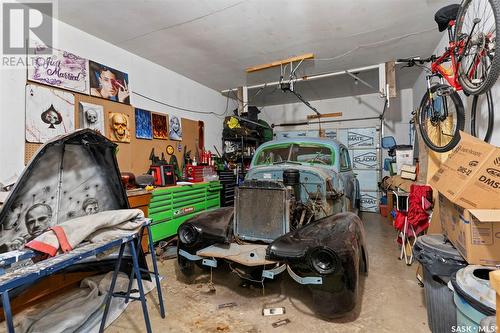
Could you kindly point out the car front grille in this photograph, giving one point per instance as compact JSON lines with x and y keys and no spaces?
{"x":262,"y":211}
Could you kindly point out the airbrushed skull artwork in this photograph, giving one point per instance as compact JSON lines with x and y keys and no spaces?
{"x":52,"y":117}
{"x":119,"y":127}
{"x":91,"y":116}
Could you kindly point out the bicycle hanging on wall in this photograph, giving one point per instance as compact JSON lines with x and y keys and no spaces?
{"x":469,"y":63}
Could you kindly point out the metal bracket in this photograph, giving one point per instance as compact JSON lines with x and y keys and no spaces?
{"x":270,"y":273}
{"x":304,"y":280}
{"x":209,"y":262}
{"x":187,"y":255}
{"x":194,"y":257}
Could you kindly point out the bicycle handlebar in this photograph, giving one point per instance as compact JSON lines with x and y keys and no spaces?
{"x":421,"y":61}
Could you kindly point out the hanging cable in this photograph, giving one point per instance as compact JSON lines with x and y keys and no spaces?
{"x":371,"y":45}
{"x":182,"y":108}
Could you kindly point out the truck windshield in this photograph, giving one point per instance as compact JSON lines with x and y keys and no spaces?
{"x":304,"y":153}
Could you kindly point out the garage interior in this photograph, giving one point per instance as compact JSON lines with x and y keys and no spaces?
{"x":249,"y":166}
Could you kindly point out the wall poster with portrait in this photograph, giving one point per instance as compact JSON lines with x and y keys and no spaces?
{"x":91,"y":116}
{"x":108,"y":83}
{"x":175,"y":132}
{"x":49,"y":113}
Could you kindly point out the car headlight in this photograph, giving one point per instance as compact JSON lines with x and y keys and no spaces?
{"x":188,"y":235}
{"x":323,"y":260}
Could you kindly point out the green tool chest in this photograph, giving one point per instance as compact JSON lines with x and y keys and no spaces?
{"x":171,"y":206}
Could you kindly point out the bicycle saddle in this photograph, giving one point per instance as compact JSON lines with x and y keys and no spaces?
{"x":445,"y":15}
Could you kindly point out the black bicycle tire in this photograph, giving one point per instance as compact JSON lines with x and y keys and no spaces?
{"x":459,"y":106}
{"x":495,"y":63}
{"x":491,"y":115}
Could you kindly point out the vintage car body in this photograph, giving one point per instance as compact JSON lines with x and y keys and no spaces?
{"x":291,"y":213}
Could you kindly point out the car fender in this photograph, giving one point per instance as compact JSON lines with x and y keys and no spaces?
{"x":214,"y":226}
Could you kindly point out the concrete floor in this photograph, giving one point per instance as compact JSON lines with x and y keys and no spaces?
{"x":391,"y":299}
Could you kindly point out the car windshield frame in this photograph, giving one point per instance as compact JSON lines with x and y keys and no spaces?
{"x":293,"y":157}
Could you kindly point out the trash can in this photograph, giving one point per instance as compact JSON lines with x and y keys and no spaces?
{"x":439,"y":260}
{"x":473,"y":296}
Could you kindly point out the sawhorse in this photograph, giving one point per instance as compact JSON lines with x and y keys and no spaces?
{"x":30,"y":274}
{"x":136,"y":271}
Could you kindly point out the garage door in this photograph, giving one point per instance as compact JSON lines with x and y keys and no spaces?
{"x":364,"y":149}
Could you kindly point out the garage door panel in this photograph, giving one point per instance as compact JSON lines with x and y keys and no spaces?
{"x":368,"y":179}
{"x":370,"y":201}
{"x":359,"y":137}
{"x":365,"y":159}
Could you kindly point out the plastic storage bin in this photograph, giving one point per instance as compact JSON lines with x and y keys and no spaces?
{"x":473,"y":297}
{"x":383,"y":210}
{"x":439,"y":260}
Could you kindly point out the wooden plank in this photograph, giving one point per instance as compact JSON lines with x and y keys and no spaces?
{"x":390,"y":78}
{"x":46,"y":289}
{"x":325,"y":115}
{"x":280,"y":62}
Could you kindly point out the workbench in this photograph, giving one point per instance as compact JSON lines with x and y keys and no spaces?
{"x":171,"y":206}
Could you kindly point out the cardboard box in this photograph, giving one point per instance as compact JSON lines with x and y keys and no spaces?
{"x":474,"y":232}
{"x":403,"y":156}
{"x":408,"y":175}
{"x":470,"y":177}
{"x":409,"y":168}
{"x":469,"y":200}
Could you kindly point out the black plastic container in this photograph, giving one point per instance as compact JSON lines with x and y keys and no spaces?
{"x":439,"y":260}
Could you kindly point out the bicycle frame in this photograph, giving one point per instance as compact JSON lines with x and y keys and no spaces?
{"x":449,"y":73}
{"x":454,"y":53}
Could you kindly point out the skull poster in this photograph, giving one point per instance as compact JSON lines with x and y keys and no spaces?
{"x":91,"y":116}
{"x":160,"y":130}
{"x":143,"y":126}
{"x":119,"y":127}
{"x":49,"y":113}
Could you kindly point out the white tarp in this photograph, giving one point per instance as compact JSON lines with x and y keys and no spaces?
{"x":79,"y":310}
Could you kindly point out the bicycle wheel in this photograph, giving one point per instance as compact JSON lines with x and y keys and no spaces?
{"x":476,"y":29}
{"x":482,"y":116}
{"x":440,"y":118}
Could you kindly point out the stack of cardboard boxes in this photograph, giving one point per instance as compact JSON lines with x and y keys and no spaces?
{"x":469,"y":200}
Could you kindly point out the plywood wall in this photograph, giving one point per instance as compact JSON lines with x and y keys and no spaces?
{"x":133,"y":156}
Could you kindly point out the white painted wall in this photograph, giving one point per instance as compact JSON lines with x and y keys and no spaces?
{"x":364,"y":106}
{"x":420,"y":87}
{"x":145,"y":77}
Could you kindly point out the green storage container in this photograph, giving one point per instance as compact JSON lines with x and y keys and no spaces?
{"x":170,"y":207}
